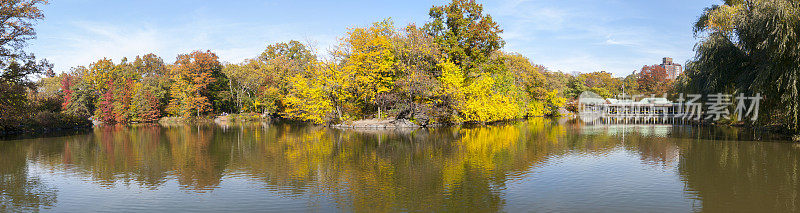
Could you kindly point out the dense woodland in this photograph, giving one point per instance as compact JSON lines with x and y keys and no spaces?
{"x":452,"y":69}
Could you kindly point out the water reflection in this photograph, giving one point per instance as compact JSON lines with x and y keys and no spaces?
{"x":447,"y":169}
{"x":19,"y":190}
{"x":747,"y":177}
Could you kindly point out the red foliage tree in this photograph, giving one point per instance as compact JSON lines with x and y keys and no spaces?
{"x":653,"y":79}
{"x":152,"y":111}
{"x":123,"y":95}
{"x":66,"y":88}
{"x":105,"y":108}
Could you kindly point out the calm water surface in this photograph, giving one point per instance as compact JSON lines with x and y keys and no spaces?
{"x":537,"y":165}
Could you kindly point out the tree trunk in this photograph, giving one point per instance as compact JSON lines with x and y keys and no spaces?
{"x":339,"y":112}
{"x":230,"y":86}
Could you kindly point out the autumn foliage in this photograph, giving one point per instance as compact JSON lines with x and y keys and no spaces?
{"x":449,"y":71}
{"x":193,"y":78}
{"x":653,"y":79}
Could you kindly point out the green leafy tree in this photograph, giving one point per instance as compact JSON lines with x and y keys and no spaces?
{"x":465,"y":34}
{"x":80,"y":97}
{"x":151,"y":91}
{"x":417,"y":56}
{"x":575,"y":87}
{"x":17,"y":19}
{"x":526,"y":75}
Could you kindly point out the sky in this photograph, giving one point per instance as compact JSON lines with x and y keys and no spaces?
{"x":563,"y":35}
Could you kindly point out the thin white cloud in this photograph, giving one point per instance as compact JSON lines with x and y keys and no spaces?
{"x":93,"y":41}
{"x":569,"y":35}
{"x":82,"y":42}
{"x":586,"y":36}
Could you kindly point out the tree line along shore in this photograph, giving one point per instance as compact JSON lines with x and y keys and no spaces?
{"x":450,"y":70}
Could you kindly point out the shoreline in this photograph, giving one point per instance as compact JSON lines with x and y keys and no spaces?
{"x":774,"y":130}
{"x":360,"y":125}
{"x":44,"y":133}
{"x":377,"y":124}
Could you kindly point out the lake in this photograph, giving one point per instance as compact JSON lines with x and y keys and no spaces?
{"x":537,"y":165}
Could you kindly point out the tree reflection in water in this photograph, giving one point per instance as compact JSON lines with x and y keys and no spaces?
{"x":750,"y":177}
{"x":19,"y":190}
{"x":445,"y":169}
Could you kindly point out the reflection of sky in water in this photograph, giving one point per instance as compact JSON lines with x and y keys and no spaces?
{"x":577,"y":181}
{"x":78,"y":194}
{"x":573,"y":181}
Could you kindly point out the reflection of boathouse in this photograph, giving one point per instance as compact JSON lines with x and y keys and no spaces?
{"x":645,"y":130}
{"x":594,"y":109}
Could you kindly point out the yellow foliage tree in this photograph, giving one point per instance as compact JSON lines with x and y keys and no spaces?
{"x":475,"y":101}
{"x":307,"y":101}
{"x":319,"y":94}
{"x":99,"y":73}
{"x":372,"y":61}
{"x":484,"y":105}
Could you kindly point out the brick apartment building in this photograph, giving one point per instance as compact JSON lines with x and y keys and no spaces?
{"x":673,"y":69}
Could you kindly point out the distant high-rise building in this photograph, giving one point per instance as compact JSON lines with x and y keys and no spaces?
{"x":673,"y":69}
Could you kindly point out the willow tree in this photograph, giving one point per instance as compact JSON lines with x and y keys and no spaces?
{"x":751,"y":47}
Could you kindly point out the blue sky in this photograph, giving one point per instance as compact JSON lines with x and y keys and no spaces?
{"x":567,"y":35}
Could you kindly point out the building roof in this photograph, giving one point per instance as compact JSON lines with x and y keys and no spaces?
{"x":654,"y":101}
